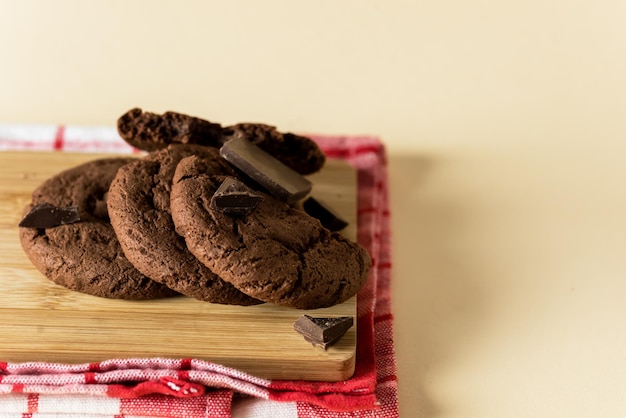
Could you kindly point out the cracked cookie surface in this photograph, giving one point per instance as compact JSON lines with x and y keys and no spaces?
{"x":277,"y":253}
{"x":86,"y":256}
{"x":139,"y":206}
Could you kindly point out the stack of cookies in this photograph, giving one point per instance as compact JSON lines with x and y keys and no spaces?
{"x":210,"y":212}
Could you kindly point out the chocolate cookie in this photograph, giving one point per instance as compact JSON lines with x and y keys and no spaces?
{"x":150,"y":131}
{"x":85,"y":255}
{"x":277,"y":253}
{"x":139,"y":206}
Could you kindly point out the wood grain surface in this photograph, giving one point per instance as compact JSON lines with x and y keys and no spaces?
{"x":41,"y":321}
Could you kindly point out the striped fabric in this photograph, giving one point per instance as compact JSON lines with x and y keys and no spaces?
{"x":156,"y":387}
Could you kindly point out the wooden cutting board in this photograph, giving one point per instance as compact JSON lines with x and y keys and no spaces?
{"x":41,"y":321}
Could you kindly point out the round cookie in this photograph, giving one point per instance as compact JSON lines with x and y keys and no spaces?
{"x":139,"y":207}
{"x":277,"y":253}
{"x":85,"y":256}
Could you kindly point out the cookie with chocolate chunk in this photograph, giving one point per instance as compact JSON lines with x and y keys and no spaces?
{"x":277,"y":253}
{"x":84,"y":255}
{"x":139,"y":207}
{"x":151,"y":131}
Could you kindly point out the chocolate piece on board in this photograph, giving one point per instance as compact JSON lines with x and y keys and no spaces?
{"x":322,"y":331}
{"x":324,"y":213}
{"x":235,"y":198}
{"x":45,"y":215}
{"x":278,"y":179}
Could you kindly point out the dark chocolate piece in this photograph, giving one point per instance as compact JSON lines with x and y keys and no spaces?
{"x":267,"y":171}
{"x":297,"y":152}
{"x":235,"y":198}
{"x":324,"y":213}
{"x":45,"y":215}
{"x":322,"y":331}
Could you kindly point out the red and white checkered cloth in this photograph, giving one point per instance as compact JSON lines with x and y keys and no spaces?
{"x":157,"y":387}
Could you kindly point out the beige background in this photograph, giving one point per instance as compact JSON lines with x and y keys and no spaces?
{"x":505,"y":125}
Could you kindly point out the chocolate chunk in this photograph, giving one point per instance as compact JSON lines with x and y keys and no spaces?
{"x":235,"y":198}
{"x":322,"y":331}
{"x":45,"y":215}
{"x":324,"y":213}
{"x":297,"y":152}
{"x":278,"y":179}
